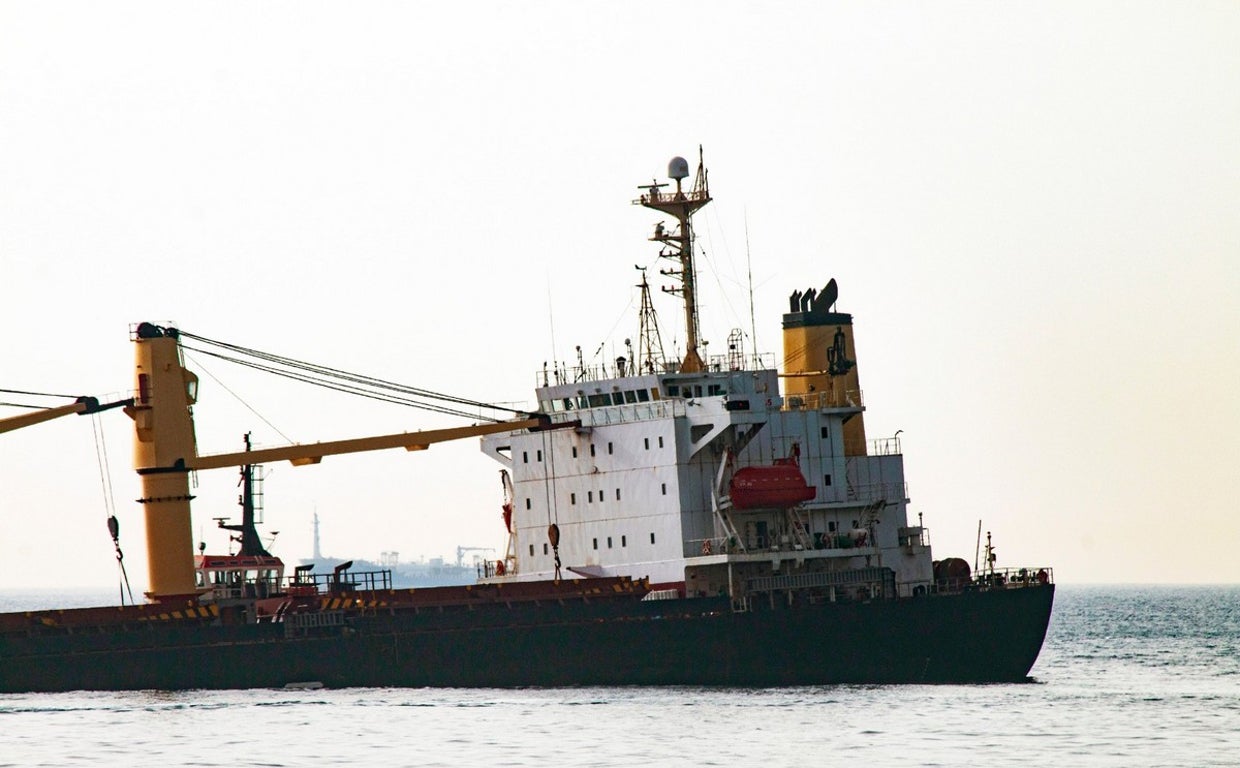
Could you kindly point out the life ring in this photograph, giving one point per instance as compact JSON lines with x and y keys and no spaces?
{"x":706,"y":547}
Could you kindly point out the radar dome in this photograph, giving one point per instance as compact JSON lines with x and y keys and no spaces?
{"x":678,"y":168}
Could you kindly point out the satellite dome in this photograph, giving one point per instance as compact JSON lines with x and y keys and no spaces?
{"x":678,"y":168}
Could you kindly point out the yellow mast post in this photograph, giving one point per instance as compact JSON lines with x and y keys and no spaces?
{"x":164,"y":445}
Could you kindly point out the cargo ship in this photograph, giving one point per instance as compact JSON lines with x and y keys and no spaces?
{"x":692,"y":520}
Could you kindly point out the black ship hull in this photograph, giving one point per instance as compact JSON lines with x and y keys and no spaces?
{"x":973,"y":636}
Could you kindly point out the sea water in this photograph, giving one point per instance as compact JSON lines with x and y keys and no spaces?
{"x":1129,"y":676}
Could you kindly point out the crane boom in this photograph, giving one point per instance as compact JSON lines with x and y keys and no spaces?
{"x":81,"y":406}
{"x":313,"y":453}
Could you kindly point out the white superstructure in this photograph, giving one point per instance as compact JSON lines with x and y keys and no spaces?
{"x":648,"y":480}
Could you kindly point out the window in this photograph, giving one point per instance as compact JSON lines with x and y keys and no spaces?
{"x":652,"y":537}
{"x":596,"y":543}
{"x":617,"y":398}
{"x":624,"y":541}
{"x":591,"y":449}
{"x":714,"y":390}
{"x":664,"y":489}
{"x":644,"y":397}
{"x":574,"y":451}
{"x":617,"y":494}
{"x":832,"y":526}
{"x":826,"y":432}
{"x":572,"y":498}
{"x":646,"y":440}
{"x":697,"y":390}
{"x":544,"y":547}
{"x":538,"y":456}
{"x":600,"y":495}
{"x":609,"y":542}
{"x":609,"y":449}
{"x":826,"y":480}
{"x":525,"y":457}
{"x":599,"y":400}
{"x":660,"y":441}
{"x":673,"y":390}
{"x":590,"y":497}
{"x":531,"y":550}
{"x":527,"y":503}
{"x":630,"y":396}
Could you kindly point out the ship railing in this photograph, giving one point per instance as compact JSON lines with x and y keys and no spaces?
{"x":615,"y":414}
{"x":817,"y":401}
{"x":248,"y":589}
{"x":877,"y":491}
{"x":999,"y":578}
{"x":762,"y":361}
{"x":655,"y":197}
{"x":816,"y":540}
{"x":884,"y":446}
{"x":344,"y":581}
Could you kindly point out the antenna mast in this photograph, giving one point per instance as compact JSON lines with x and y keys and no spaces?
{"x":678,"y":245}
{"x":650,"y":357}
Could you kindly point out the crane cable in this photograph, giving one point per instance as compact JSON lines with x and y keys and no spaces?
{"x":342,"y":381}
{"x":109,"y":505}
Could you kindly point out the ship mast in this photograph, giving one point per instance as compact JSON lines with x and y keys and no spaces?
{"x":678,"y":244}
{"x":650,"y":358}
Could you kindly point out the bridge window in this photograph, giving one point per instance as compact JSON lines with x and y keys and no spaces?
{"x":624,"y":541}
{"x":660,"y":441}
{"x":826,"y":432}
{"x":531,"y":550}
{"x":652,"y":537}
{"x":646,"y":440}
{"x":609,"y":449}
{"x":574,"y":451}
{"x":673,"y":390}
{"x":572,"y":498}
{"x":591,"y":449}
{"x":538,"y":456}
{"x":544,"y":547}
{"x":609,"y":542}
{"x":644,"y":397}
{"x":527,"y":503}
{"x":596,"y":543}
{"x":590,"y":496}
{"x":826,"y":480}
{"x":630,"y":396}
{"x":664,"y":489}
{"x":525,"y":457}
{"x":617,"y":494}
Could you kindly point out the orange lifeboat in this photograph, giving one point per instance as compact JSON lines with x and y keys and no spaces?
{"x":777,"y":486}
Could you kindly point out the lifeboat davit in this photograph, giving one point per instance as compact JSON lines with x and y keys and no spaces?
{"x":778,"y":486}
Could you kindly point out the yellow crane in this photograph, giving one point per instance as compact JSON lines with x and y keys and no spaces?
{"x":165,"y":453}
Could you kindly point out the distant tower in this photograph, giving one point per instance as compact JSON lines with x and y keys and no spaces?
{"x":678,"y":245}
{"x":318,"y":553}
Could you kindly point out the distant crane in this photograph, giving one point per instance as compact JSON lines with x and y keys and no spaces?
{"x":460,"y":553}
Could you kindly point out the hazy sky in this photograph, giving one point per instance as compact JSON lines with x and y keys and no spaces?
{"x":1032,"y":209}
